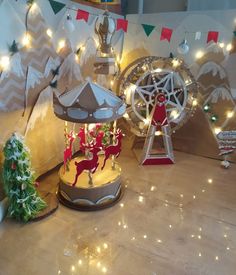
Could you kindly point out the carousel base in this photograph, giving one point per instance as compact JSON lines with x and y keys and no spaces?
{"x":104,"y":192}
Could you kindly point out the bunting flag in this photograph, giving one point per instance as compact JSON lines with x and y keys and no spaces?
{"x":212,"y":36}
{"x":56,"y":6}
{"x":82,"y":15}
{"x":198,"y":35}
{"x":166,"y":34}
{"x":121,"y":24}
{"x":148,"y":29}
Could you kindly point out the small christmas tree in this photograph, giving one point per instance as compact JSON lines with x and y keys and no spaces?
{"x":18,"y":181}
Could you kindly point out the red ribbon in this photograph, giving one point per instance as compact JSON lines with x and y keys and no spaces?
{"x":121,"y":24}
{"x":212,"y":36}
{"x":82,"y":15}
{"x":166,"y":34}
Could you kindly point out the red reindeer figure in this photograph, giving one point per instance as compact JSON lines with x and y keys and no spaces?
{"x":99,"y":139}
{"x":88,"y":164}
{"x":68,"y":150}
{"x":81,"y":136}
{"x":113,"y":150}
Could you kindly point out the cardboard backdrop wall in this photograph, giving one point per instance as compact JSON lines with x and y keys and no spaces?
{"x":25,"y":93}
{"x":215,"y":71}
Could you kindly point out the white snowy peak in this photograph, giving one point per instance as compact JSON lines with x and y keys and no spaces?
{"x":15,"y":67}
{"x":212,"y":67}
{"x":33,"y":78}
{"x":70,"y":69}
{"x":51,"y":65}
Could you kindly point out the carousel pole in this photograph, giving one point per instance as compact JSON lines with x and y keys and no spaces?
{"x":66,"y":133}
{"x":86,"y":132}
{"x":113,"y":166}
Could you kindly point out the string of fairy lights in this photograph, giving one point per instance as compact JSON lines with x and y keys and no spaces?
{"x":26,"y":42}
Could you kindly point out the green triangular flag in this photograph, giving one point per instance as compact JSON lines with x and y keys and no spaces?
{"x":148,"y":29}
{"x":56,"y":6}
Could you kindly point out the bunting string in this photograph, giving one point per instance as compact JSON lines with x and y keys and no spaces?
{"x":123,"y":25}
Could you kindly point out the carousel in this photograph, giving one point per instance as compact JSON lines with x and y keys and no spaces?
{"x":91,"y":180}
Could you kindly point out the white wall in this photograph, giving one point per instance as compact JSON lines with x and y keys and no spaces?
{"x":156,"y":6}
{"x":211,"y":4}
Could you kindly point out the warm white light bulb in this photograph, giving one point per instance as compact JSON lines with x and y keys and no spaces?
{"x":217,"y":130}
{"x":34,"y":8}
{"x":61,"y":44}
{"x":146,"y":121}
{"x":118,"y":59}
{"x":230,"y":114}
{"x":49,"y":32}
{"x":199,"y":54}
{"x":158,"y":70}
{"x":175,"y":63}
{"x":195,"y":102}
{"x":158,"y":133}
{"x":229,"y":47}
{"x":5,"y":62}
{"x":26,"y":40}
{"x":221,"y":45}
{"x":104,"y":269}
{"x":174,"y":114}
{"x":82,"y":48}
{"x":126,"y":116}
{"x":140,"y":198}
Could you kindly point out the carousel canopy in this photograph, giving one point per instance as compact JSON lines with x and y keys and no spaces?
{"x":88,"y":103}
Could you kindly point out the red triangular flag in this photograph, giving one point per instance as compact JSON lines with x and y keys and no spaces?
{"x":166,"y":34}
{"x":121,"y":24}
{"x":212,"y":36}
{"x":82,"y":15}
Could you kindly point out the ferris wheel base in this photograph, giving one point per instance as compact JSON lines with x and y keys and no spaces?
{"x":166,"y":156}
{"x":158,"y":161}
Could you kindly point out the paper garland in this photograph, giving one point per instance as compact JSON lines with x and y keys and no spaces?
{"x":122,"y":24}
{"x":212,"y":36}
{"x":148,"y":29}
{"x":56,"y":6}
{"x":166,"y":34}
{"x":82,"y":15}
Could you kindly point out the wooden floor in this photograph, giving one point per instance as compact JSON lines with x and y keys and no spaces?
{"x":173,"y":220}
